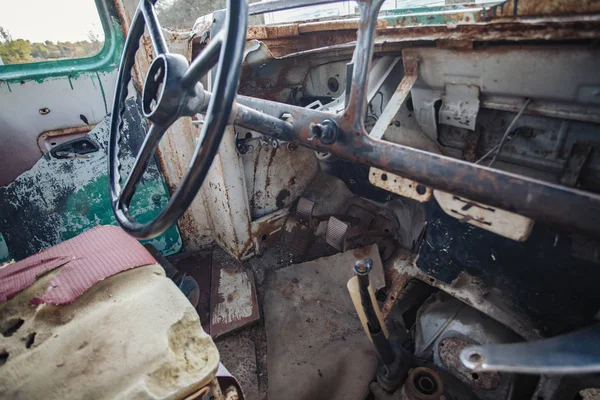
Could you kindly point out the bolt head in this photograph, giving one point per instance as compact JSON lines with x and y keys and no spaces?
{"x":363,"y":266}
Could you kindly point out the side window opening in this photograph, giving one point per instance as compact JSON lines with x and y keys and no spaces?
{"x":40,"y":30}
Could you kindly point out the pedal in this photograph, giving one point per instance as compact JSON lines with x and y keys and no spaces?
{"x":304,"y":210}
{"x":336,"y":233}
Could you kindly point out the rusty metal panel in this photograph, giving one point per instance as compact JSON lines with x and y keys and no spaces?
{"x":449,"y":351}
{"x":341,"y":35}
{"x":233,"y":301}
{"x":522,"y":8}
{"x":399,"y":185}
{"x":276,"y":177}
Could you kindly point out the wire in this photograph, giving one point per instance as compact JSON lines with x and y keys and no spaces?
{"x":498,"y":147}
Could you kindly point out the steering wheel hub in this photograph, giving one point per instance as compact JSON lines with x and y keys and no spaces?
{"x":163,"y":98}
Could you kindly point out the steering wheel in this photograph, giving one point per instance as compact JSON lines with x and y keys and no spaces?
{"x":172,"y":90}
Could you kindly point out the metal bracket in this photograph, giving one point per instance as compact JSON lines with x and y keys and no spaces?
{"x":460,"y":106}
{"x":411,"y":67}
{"x":501,"y":222}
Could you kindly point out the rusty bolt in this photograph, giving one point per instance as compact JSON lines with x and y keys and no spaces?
{"x":292,"y":146}
{"x":326,"y":131}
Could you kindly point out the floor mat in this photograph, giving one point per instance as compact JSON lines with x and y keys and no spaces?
{"x":316,"y":346}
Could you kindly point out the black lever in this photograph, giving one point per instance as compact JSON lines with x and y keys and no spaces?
{"x":395,"y":359}
{"x":362,"y":268}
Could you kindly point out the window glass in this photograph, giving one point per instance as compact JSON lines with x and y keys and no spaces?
{"x":182,"y":14}
{"x":350,"y":8}
{"x":42,"y":30}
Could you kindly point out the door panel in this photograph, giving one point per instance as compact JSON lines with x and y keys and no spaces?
{"x":59,"y":198}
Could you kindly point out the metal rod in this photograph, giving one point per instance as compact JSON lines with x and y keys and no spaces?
{"x":357,"y":102}
{"x":362,"y":268}
{"x":576,"y":352}
{"x":508,"y":130}
{"x":560,"y":140}
{"x":255,"y":120}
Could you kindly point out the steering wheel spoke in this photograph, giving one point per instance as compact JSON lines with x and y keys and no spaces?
{"x":154,"y":29}
{"x":203,"y":63}
{"x":151,"y":141}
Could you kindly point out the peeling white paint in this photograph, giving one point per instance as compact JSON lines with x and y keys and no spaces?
{"x":235,"y":290}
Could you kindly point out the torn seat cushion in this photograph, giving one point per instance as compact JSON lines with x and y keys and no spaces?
{"x":95,"y":317}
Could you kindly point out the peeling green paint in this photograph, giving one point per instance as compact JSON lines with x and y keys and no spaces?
{"x":90,"y":206}
{"x":438,"y":15}
{"x":58,"y":199}
{"x":106,"y":60}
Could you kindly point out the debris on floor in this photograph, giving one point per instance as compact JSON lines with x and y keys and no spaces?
{"x":238,"y":353}
{"x":316,"y":345}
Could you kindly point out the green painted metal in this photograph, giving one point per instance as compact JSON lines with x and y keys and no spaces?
{"x":435,"y":15}
{"x":106,"y":60}
{"x":4,"y":254}
{"x":90,"y":206}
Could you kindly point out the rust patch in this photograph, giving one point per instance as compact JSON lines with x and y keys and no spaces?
{"x":518,"y":8}
{"x":71,"y":132}
{"x":272,"y":31}
{"x":271,"y":158}
{"x":361,"y":252}
{"x":449,"y":350}
{"x":123,"y":15}
{"x":454,"y":44}
{"x":397,"y":282}
{"x":342,"y":34}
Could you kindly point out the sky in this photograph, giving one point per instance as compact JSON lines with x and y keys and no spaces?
{"x":58,"y":20}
